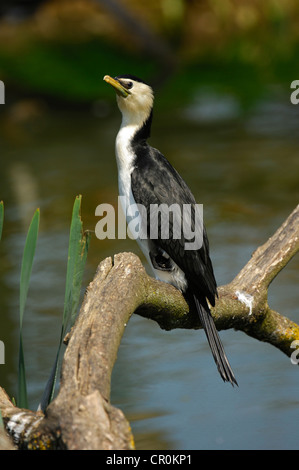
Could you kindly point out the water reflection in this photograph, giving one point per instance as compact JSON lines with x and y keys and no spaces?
{"x":245,"y":172}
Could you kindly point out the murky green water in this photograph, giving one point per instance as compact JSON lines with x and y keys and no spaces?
{"x":245,"y":170}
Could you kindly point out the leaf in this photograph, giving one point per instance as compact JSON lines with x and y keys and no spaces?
{"x":27,"y":261}
{"x":77,"y":254}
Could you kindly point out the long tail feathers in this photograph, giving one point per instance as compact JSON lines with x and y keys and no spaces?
{"x":216,"y":346}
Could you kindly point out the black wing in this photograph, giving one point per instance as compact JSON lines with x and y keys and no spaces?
{"x":155,"y":181}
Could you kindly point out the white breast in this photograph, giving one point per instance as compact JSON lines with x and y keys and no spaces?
{"x":125,"y":164}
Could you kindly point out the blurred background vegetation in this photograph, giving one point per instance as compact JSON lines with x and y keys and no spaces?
{"x":60,"y":49}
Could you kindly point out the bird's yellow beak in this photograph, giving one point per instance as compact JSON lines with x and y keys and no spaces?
{"x":120,"y":90}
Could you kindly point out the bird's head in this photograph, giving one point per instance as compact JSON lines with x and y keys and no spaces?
{"x":135,"y":98}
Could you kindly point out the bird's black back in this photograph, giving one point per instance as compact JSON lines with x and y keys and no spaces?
{"x":155,"y":181}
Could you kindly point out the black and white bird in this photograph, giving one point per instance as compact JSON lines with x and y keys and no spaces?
{"x":146,"y":178}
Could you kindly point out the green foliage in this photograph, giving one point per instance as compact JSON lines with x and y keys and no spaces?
{"x":78,"y":248}
{"x":27,"y":261}
{"x":71,"y":72}
{"x":77,"y":254}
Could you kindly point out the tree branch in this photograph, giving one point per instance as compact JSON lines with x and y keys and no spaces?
{"x":81,"y":416}
{"x":243,"y":303}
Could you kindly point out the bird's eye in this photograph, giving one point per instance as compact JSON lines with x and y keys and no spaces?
{"x":129,"y":85}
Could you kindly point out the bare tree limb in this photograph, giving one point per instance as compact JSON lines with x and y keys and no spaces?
{"x":81,"y":416}
{"x":269,"y":259}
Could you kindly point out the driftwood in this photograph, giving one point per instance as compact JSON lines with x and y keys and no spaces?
{"x":81,"y":416}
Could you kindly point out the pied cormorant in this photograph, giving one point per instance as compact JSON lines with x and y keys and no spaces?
{"x":147,"y":179}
